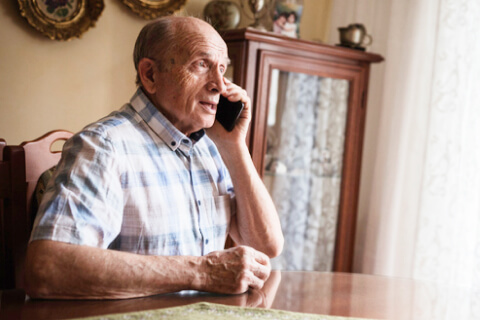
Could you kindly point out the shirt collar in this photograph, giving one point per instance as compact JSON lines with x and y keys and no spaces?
{"x":165,"y":130}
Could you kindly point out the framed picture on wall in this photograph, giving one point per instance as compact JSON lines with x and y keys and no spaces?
{"x":61,"y":19}
{"x":151,"y":9}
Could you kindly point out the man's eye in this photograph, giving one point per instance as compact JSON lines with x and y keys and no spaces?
{"x":223,"y":69}
{"x":202,"y":64}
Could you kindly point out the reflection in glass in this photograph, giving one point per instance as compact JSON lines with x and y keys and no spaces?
{"x":303,"y":164}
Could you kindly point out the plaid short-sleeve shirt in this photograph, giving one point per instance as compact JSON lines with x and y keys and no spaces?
{"x":133,"y":182}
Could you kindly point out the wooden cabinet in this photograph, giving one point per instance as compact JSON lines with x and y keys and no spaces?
{"x":306,"y":137}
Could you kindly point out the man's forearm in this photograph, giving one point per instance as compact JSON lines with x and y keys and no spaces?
{"x":57,"y":270}
{"x":65,"y":271}
{"x":257,"y":223}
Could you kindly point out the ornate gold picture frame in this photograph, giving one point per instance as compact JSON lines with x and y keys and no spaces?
{"x":61,"y":19}
{"x":151,"y":9}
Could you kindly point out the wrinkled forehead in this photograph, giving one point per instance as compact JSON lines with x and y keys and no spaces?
{"x":203,"y":42}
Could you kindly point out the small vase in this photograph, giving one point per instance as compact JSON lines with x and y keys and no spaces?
{"x":222,"y":14}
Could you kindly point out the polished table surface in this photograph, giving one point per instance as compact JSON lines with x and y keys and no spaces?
{"x":340,"y":294}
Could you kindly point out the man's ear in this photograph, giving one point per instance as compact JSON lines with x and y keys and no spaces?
{"x":146,"y":72}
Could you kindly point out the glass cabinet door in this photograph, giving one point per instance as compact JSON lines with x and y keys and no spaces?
{"x":305,"y":138}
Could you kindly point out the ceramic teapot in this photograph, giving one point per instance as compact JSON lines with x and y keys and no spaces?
{"x":354,"y":36}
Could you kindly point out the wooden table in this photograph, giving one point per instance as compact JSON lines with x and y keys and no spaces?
{"x":341,"y":294}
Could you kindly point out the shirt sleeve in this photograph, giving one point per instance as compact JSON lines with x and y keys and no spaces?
{"x":83,"y":202}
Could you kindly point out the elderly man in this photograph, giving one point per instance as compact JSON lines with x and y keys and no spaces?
{"x":142,"y":200}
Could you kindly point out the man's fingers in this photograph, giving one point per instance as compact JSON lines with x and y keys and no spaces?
{"x":236,"y":269}
{"x":234,"y":92}
{"x":262,"y":258}
{"x":260,"y":271}
{"x":260,"y":266}
{"x":254,"y":282}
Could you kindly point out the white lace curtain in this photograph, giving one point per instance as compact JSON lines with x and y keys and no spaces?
{"x":420,"y":194}
{"x":305,"y":152}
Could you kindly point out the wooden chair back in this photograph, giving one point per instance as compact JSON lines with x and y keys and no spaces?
{"x":20,"y":168}
{"x":2,"y":243}
{"x":40,"y":157}
{"x":2,"y":145}
{"x":14,"y":227}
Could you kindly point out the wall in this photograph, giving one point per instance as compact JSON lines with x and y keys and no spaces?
{"x":46,"y":85}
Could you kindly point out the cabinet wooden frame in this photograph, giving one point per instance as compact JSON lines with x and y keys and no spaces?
{"x":255,"y":54}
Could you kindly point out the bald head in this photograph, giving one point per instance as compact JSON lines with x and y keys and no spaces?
{"x":164,"y":37}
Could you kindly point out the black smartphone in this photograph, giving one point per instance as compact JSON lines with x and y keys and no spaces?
{"x":228,"y":112}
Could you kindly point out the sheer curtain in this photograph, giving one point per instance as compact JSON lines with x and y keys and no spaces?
{"x":306,"y":134}
{"x":420,"y":194}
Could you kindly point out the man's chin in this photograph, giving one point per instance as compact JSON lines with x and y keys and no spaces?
{"x":209,"y":123}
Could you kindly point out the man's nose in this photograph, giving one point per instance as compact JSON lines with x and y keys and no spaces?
{"x":216,"y":81}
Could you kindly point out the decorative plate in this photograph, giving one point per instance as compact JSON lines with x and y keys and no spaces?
{"x":151,"y":9}
{"x":61,"y":19}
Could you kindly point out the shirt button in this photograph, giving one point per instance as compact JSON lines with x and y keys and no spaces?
{"x":206,"y":241}
{"x":199,"y":202}
{"x":185,"y":141}
{"x":173,"y":143}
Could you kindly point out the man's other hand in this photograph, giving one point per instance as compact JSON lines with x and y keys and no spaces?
{"x":234,"y":270}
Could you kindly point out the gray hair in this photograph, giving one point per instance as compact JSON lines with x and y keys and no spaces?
{"x":154,"y":41}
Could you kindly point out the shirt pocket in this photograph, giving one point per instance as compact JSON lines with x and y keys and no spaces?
{"x":223,"y":212}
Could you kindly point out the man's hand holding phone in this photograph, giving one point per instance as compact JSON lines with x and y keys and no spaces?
{"x":228,"y":112}
{"x":233,"y":116}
